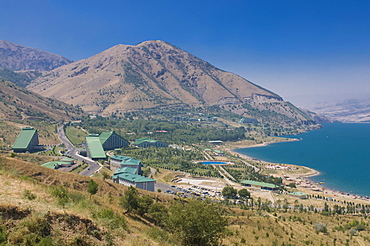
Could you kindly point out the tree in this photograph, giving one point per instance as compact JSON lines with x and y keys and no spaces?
{"x":92,"y":187}
{"x":197,"y":222}
{"x":159,"y":213}
{"x":244,"y":193}
{"x":229,"y":192}
{"x":292,"y":185}
{"x":130,"y":200}
{"x":320,"y":227}
{"x":144,"y":203}
{"x":105,"y":175}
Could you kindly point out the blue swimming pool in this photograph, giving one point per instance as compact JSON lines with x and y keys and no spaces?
{"x":213,"y":162}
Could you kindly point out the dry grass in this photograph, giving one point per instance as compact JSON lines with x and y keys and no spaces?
{"x":247,"y":227}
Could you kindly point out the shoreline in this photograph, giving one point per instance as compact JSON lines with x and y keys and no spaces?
{"x":310,"y":185}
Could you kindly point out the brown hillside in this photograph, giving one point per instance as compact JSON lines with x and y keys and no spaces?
{"x":18,"y":103}
{"x":151,"y":74}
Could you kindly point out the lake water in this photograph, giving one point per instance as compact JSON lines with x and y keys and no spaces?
{"x":340,"y":152}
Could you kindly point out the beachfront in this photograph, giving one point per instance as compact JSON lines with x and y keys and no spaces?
{"x":298,"y":175}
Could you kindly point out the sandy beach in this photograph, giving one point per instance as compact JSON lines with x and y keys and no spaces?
{"x":304,"y":184}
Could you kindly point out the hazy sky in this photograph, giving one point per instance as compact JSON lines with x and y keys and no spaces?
{"x":300,"y":49}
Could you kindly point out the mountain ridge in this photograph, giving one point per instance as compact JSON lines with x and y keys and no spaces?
{"x":153,"y":74}
{"x":18,"y":57}
{"x":17,"y":103}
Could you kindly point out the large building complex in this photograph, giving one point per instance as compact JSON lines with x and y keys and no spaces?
{"x":147,"y":142}
{"x":108,"y":140}
{"x":27,"y":140}
{"x":126,"y":176}
{"x":120,"y":161}
{"x":111,"y":140}
{"x":94,"y":147}
{"x":128,"y":172}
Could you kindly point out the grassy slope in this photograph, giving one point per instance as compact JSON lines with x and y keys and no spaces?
{"x":75,"y":135}
{"x":9,"y":131}
{"x":19,"y":103}
{"x":246,"y":226}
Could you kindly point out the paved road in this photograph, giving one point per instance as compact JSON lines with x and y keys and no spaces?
{"x":73,"y":153}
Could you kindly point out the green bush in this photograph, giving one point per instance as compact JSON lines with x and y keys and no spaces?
{"x":29,"y":195}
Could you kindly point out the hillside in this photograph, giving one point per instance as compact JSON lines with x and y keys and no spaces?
{"x":20,"y":78}
{"x":349,"y":111}
{"x":17,"y":103}
{"x":18,"y":57}
{"x":40,"y":206}
{"x":158,"y":74}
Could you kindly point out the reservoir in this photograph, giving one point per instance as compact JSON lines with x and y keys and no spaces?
{"x":339,"y":151}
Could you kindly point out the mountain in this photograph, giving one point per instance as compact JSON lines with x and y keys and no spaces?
{"x":349,"y":110}
{"x":18,"y":57}
{"x":18,"y":103}
{"x":158,"y":74}
{"x":20,"y":78}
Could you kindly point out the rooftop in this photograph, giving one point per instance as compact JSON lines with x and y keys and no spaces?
{"x":130,"y":170}
{"x":105,"y":135}
{"x":126,"y":160}
{"x":24,"y":138}
{"x":142,"y":140}
{"x":133,"y":177}
{"x":297,"y":193}
{"x":257,"y":183}
{"x":95,"y":148}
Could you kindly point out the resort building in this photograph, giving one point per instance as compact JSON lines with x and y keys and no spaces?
{"x":127,"y":176}
{"x":260,"y":185}
{"x":147,"y":142}
{"x":94,"y":147}
{"x":27,"y":140}
{"x":119,"y":161}
{"x":110,"y":140}
{"x":298,"y":194}
{"x":65,"y":162}
{"x":248,"y":120}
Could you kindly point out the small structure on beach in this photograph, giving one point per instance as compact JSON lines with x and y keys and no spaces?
{"x":260,"y":185}
{"x":298,"y":194}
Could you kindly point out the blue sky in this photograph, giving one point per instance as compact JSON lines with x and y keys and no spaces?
{"x":301,"y":49}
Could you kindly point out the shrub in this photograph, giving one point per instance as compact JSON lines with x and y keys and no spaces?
{"x":29,"y":195}
{"x":320,"y":227}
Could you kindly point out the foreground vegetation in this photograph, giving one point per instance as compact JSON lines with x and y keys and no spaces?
{"x":40,"y":206}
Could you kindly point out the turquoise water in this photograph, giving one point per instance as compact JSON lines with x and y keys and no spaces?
{"x":340,"y":152}
{"x":213,"y":162}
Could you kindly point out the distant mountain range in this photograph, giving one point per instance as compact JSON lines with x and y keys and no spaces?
{"x":19,"y":58}
{"x":158,"y":74}
{"x":349,"y":110}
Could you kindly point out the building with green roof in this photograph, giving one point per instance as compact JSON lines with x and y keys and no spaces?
{"x":147,"y":142}
{"x":27,"y":140}
{"x":126,"y":177}
{"x":65,"y":162}
{"x":111,"y":140}
{"x":298,"y":194}
{"x":120,"y":161}
{"x":94,"y":147}
{"x":261,"y":185}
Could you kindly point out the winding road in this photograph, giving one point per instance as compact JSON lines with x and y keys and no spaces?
{"x":73,"y":153}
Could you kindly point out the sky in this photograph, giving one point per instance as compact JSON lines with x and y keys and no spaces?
{"x":304,"y":50}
